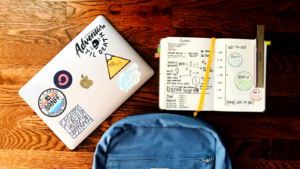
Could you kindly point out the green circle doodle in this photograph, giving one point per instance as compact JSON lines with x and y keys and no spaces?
{"x":243,"y":81}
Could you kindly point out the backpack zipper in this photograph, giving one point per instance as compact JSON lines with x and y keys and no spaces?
{"x":207,"y":160}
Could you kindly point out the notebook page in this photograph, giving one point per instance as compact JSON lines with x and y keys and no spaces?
{"x":234,"y":77}
{"x":185,"y":62}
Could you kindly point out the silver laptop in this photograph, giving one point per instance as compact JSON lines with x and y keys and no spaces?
{"x":86,"y":82}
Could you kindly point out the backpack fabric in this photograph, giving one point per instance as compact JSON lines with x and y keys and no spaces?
{"x":161,"y":141}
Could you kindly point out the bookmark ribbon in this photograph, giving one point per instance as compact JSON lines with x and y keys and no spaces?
{"x":206,"y":77}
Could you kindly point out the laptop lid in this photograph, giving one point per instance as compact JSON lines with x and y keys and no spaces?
{"x":86,"y":82}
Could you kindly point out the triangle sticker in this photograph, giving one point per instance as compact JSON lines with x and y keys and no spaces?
{"x":115,"y":64}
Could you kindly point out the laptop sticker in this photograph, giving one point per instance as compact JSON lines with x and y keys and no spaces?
{"x":30,"y":92}
{"x":52,"y":102}
{"x":115,"y":64}
{"x":62,"y":79}
{"x":76,"y":121}
{"x":129,"y":78}
{"x":92,"y":44}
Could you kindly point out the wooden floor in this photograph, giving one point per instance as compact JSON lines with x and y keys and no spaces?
{"x":33,"y":32}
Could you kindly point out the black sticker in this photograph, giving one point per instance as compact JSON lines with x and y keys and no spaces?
{"x":63,"y":79}
{"x":93,"y":44}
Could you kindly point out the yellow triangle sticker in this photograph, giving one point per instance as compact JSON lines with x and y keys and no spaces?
{"x":115,"y":64}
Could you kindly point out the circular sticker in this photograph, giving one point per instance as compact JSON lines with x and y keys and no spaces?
{"x":63,"y":79}
{"x":235,"y":59}
{"x":52,"y":102}
{"x":256,"y":95}
{"x":243,"y":81}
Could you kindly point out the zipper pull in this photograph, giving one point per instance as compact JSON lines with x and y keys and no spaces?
{"x":207,"y":160}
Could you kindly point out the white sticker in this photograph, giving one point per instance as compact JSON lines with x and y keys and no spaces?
{"x":76,"y":121}
{"x":129,"y":78}
{"x":30,"y":92}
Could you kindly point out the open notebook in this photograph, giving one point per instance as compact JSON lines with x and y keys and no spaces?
{"x":230,"y":86}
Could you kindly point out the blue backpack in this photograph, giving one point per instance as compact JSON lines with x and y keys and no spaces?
{"x":161,"y":141}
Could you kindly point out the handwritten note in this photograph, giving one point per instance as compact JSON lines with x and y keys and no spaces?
{"x":185,"y":71}
{"x":234,"y":90}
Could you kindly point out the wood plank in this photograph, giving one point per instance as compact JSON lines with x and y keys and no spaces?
{"x":266,"y":164}
{"x":15,"y":35}
{"x":19,"y":42}
{"x":40,"y":159}
{"x":9,"y":96}
{"x":228,"y":19}
{"x":21,"y":116}
{"x":126,"y":14}
{"x":41,"y":45}
{"x":247,"y":5}
{"x":263,"y":5}
{"x":102,"y":1}
{"x":32,"y":12}
{"x":30,"y":139}
{"x":14,"y":74}
{"x":282,"y":85}
{"x":22,"y":53}
{"x":263,"y":148}
{"x":45,"y":159}
{"x":142,"y":2}
{"x":44,"y":33}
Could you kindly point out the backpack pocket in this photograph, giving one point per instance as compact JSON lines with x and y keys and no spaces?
{"x":160,"y":162}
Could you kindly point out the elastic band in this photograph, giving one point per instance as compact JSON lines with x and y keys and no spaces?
{"x":206,"y":77}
